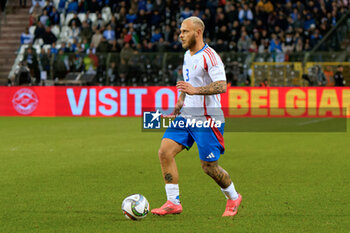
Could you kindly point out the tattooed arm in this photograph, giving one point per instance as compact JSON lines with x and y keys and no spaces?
{"x":179,"y":104}
{"x":213,"y":88}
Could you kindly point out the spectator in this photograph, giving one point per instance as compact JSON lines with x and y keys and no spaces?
{"x":113,"y":22}
{"x":338,"y":77}
{"x":54,"y":50}
{"x":264,"y":83}
{"x":131,"y":36}
{"x":288,"y":44}
{"x":74,"y":31}
{"x":253,"y":48}
{"x":76,"y":20}
{"x":30,"y":58}
{"x":168,"y":34}
{"x":320,"y":77}
{"x":264,"y":47}
{"x":22,"y":73}
{"x":48,"y":36}
{"x":93,"y":6}
{"x":73,"y":7}
{"x":36,"y":9}
{"x":220,"y":18}
{"x":159,"y":5}
{"x":83,"y":6}
{"x":45,"y":58}
{"x":90,"y":47}
{"x":112,"y":73}
{"x":156,"y":18}
{"x":86,"y":32}
{"x":308,"y":22}
{"x":186,"y":13}
{"x":231,"y":12}
{"x":149,"y":6}
{"x":131,"y":16}
{"x":243,"y":42}
{"x":126,"y":52}
{"x":275,"y":44}
{"x":66,"y":47}
{"x":86,"y":46}
{"x":88,"y":20}
{"x":33,"y":19}
{"x":294,"y":14}
{"x":123,"y":70}
{"x":100,"y":22}
{"x":39,"y":31}
{"x":44,"y":18}
{"x":265,"y":5}
{"x":299,"y":45}
{"x":156,"y":36}
{"x":48,"y":6}
{"x":76,"y":63}
{"x":221,"y":46}
{"x":26,"y":37}
{"x":142,"y":5}
{"x":37,"y":4}
{"x":176,"y":46}
{"x":79,"y":48}
{"x":161,"y":45}
{"x":103,"y":46}
{"x":276,"y":48}
{"x":96,"y":38}
{"x":245,"y":14}
{"x":315,"y":38}
{"x":61,"y":66}
{"x":223,"y":33}
{"x":55,"y":17}
{"x":90,"y":63}
{"x":256,"y":37}
{"x":62,"y":6}
{"x":281,"y":21}
{"x":109,"y":34}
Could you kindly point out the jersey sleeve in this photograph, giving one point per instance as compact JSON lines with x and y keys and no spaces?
{"x":214,"y":66}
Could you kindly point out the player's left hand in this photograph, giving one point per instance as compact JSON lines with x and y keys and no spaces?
{"x":186,"y":88}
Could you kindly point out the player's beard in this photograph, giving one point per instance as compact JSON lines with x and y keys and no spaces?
{"x":191,"y":43}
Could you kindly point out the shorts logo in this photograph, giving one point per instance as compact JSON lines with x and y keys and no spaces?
{"x":25,"y":101}
{"x":210,"y":156}
{"x":151,"y":120}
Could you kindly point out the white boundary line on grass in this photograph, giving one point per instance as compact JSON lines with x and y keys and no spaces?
{"x":315,"y":121}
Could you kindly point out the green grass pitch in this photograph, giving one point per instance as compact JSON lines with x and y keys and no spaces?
{"x":71,"y":175}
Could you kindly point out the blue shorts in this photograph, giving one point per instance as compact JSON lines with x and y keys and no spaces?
{"x":210,"y":141}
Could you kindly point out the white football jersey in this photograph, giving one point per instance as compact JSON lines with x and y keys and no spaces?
{"x":201,"y":69}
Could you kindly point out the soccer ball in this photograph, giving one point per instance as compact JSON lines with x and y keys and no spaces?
{"x":135,"y":207}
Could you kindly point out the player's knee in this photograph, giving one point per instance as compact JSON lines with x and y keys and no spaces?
{"x":163,"y":155}
{"x":208,"y":167}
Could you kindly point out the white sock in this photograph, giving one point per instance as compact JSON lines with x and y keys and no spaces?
{"x":173,"y":193}
{"x":230,"y":192}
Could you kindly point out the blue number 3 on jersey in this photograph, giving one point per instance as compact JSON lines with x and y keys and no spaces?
{"x":187,"y":75}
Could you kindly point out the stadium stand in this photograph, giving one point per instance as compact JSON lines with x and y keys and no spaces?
{"x":135,"y":42}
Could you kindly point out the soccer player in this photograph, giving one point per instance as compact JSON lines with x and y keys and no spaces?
{"x":204,"y":81}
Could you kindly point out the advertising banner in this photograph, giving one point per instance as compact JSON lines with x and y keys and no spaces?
{"x":99,"y":101}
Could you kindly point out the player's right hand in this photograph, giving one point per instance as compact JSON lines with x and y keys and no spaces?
{"x":177,"y":108}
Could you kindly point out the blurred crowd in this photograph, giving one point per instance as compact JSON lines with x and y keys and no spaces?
{"x":91,"y":27}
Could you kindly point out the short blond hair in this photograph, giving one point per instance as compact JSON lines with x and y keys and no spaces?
{"x":196,"y":21}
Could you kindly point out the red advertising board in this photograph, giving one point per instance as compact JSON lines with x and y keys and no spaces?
{"x":129,"y":101}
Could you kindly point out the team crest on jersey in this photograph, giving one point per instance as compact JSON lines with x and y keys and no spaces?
{"x":194,"y":66}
